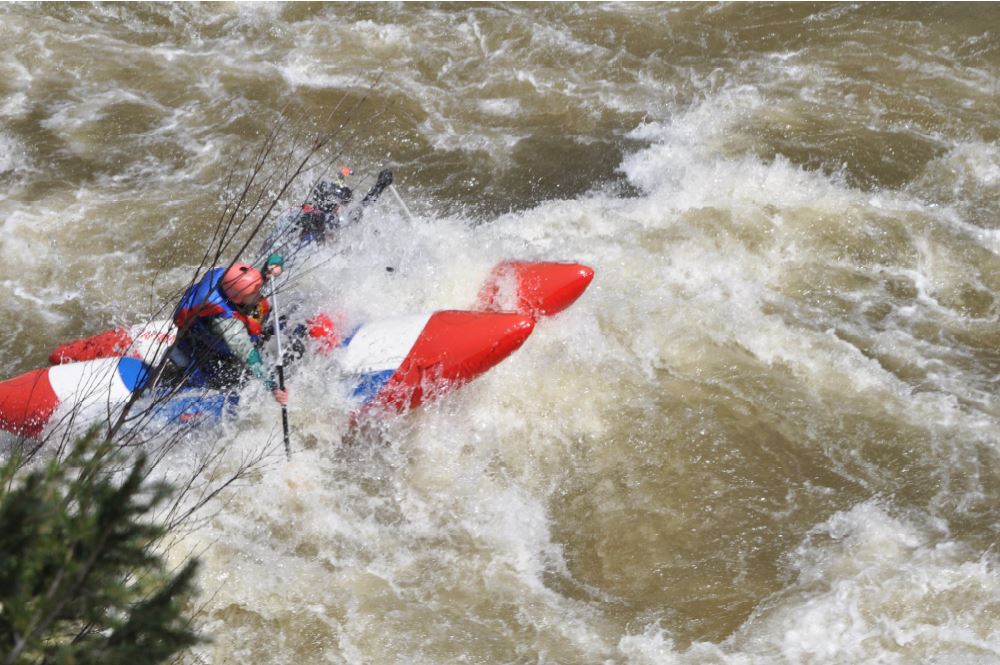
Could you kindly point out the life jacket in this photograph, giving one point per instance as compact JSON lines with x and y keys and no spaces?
{"x":203,"y":301}
{"x":254,"y":321}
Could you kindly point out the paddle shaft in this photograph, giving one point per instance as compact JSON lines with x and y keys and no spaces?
{"x":281,"y":366}
{"x":399,"y":200}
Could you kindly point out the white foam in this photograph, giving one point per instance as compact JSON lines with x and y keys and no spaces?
{"x":875,"y":587}
{"x":500,"y":107}
{"x":868,"y":587}
{"x":13,"y":156}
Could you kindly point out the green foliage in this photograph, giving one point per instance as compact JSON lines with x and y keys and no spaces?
{"x":79,"y":580}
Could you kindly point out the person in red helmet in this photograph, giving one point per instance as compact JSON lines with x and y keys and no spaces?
{"x":221,"y":319}
{"x":327,"y":211}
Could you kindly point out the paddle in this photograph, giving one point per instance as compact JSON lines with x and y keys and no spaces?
{"x":281,"y":365}
{"x":399,"y":200}
{"x":383,"y":180}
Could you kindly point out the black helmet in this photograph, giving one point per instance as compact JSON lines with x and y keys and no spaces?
{"x":328,"y":195}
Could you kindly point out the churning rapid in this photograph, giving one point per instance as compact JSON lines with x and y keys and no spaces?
{"x":767,"y":433}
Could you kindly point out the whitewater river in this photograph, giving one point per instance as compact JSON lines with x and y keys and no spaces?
{"x":768,"y":432}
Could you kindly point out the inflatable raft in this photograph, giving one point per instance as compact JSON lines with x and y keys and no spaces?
{"x":390,"y":365}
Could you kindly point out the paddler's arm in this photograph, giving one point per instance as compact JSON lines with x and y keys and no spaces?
{"x":235,"y":335}
{"x":384,"y":180}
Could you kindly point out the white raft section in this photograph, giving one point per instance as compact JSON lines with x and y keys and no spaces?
{"x":93,"y":390}
{"x":381,"y":346}
{"x":150,"y":341}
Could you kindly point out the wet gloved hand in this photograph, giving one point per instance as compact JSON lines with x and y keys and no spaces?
{"x":275,"y":263}
{"x":384,"y":179}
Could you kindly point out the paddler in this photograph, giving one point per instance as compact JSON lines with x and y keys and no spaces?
{"x":299,"y":231}
{"x":323,"y":209}
{"x":221,"y":319}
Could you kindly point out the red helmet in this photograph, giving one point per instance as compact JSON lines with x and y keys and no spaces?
{"x":242,"y":284}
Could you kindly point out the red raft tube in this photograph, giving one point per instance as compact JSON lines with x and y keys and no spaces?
{"x":535,"y":288}
{"x":399,"y":364}
{"x":83,"y":392}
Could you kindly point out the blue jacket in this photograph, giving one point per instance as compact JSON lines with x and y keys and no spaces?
{"x":203,"y":302}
